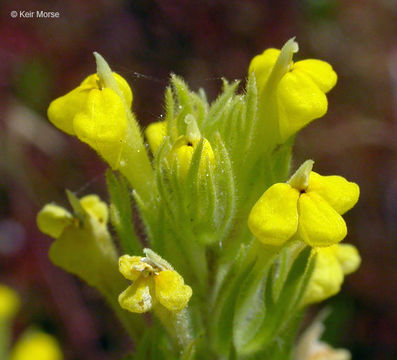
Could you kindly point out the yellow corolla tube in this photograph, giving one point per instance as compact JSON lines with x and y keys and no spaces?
{"x":308,"y":207}
{"x":103,"y":124}
{"x":291,"y":94}
{"x":155,"y":283}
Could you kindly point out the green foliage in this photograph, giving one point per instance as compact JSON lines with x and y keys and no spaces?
{"x":198,"y":223}
{"x":121,"y":213}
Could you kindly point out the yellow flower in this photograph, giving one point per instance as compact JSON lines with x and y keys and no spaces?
{"x":82,"y":245}
{"x":62,"y":110}
{"x":154,"y":282}
{"x":332,"y":264}
{"x":155,"y":134}
{"x":53,"y":219}
{"x":37,"y":346}
{"x":96,"y":115}
{"x":308,"y":207}
{"x":9,"y":303}
{"x":291,"y":94}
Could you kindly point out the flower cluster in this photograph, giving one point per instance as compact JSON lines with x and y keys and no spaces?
{"x":216,"y":201}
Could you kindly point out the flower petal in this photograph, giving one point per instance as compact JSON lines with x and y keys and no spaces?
{"x":319,"y":223}
{"x":103,"y":124}
{"x":62,"y":110}
{"x":300,"y":101}
{"x":125,"y":89}
{"x":171,"y":290}
{"x":327,"y":277}
{"x":341,"y":194}
{"x":155,"y":134}
{"x":348,"y":257}
{"x":131,"y":267}
{"x":319,"y":71}
{"x":274,"y":218}
{"x":95,"y":207}
{"x":262,"y":66}
{"x":136,"y":298}
{"x":92,"y":82}
{"x":52,"y":220}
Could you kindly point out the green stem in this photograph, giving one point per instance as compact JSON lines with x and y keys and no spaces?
{"x":177,"y":325}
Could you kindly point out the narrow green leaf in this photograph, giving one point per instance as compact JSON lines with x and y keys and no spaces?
{"x":170,"y":114}
{"x":143,"y":347}
{"x":183,"y":101}
{"x":224,"y":311}
{"x":121,"y":213}
{"x":200,"y":106}
{"x":279,"y":314}
{"x":250,"y":114}
{"x":227,"y":189}
{"x":282,"y":267}
{"x":250,"y":308}
{"x":217,"y":109}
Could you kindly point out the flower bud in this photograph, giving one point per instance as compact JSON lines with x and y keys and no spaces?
{"x":183,"y":150}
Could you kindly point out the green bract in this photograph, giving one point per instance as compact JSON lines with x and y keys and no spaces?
{"x":249,"y":248}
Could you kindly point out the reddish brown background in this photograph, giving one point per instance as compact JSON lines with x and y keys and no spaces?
{"x":203,"y":40}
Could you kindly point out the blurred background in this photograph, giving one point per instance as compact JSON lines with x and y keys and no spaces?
{"x":146,"y":40}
